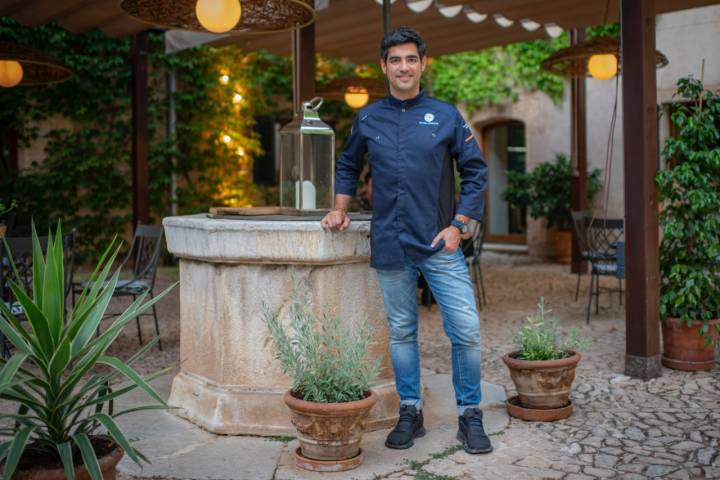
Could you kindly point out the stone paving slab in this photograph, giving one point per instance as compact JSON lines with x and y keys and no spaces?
{"x":179,"y":449}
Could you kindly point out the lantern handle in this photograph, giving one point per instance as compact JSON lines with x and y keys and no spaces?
{"x":314,"y":104}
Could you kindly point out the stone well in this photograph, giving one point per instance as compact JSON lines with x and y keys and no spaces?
{"x":229,"y":380}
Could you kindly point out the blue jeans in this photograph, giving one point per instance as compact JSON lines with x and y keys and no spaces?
{"x":449,"y":280}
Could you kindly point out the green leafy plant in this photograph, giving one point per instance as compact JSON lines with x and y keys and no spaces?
{"x":539,"y":339}
{"x":66,"y":404}
{"x":327,"y":359}
{"x":7,"y":208}
{"x":546,"y":191}
{"x":690,"y":219}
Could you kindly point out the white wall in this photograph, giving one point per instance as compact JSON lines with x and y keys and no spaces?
{"x":685,"y":37}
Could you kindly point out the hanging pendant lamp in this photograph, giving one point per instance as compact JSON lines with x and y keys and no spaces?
{"x":25,"y":66}
{"x":223,"y":16}
{"x":355,"y":91}
{"x":599,"y":58}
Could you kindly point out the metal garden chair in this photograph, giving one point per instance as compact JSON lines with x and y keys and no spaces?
{"x":604,"y":236}
{"x":144,"y":254}
{"x":21,"y":249}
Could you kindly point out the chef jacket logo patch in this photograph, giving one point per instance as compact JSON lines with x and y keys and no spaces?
{"x":429,"y":117}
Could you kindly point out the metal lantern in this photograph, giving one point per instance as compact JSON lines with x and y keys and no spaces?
{"x":307,"y":167}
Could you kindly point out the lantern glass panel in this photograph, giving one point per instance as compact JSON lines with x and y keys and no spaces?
{"x":307,"y":167}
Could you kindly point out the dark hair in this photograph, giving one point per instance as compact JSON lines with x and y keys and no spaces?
{"x":400,"y":36}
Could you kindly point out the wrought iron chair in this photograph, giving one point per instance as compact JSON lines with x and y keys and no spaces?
{"x":580,"y":222}
{"x":472,"y":249}
{"x":144,"y":253}
{"x":21,"y":250}
{"x":603,"y":237}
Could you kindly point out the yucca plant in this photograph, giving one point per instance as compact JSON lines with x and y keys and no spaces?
{"x":66,"y":403}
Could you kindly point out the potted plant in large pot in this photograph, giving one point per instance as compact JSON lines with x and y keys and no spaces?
{"x":543,"y":368}
{"x":65,"y":426}
{"x":331,"y":369}
{"x":689,"y":193}
{"x":545,"y":192}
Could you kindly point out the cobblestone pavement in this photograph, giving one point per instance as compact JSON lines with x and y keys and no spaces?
{"x":621,"y":428}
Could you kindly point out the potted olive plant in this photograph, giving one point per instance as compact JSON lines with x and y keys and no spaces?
{"x":690,"y":219}
{"x":545,"y":192}
{"x":65,"y":426}
{"x":331,"y":369}
{"x":543,"y":368}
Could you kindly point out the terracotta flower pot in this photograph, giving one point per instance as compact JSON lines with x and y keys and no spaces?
{"x":3,"y":229}
{"x":684,"y":347}
{"x":543,"y":384}
{"x":329,"y":431}
{"x":560,"y":245}
{"x":107,"y":462}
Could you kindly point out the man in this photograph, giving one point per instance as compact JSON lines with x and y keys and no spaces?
{"x":412,"y":140}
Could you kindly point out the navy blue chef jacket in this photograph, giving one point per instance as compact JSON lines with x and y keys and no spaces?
{"x":411,"y":145}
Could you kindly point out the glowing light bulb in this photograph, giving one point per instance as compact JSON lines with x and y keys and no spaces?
{"x":226,"y":138}
{"x":11,"y":73}
{"x":356,"y":97}
{"x":603,"y":67}
{"x":241,"y":151}
{"x":224,"y":78}
{"x":218,"y":16}
{"x":237,"y":98}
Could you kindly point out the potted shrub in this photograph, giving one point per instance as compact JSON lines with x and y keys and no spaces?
{"x":689,"y":193}
{"x":543,"y":368}
{"x":545,"y":193}
{"x":331,"y":369}
{"x":65,"y":424}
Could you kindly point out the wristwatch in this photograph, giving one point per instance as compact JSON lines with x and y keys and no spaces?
{"x":460,"y":225}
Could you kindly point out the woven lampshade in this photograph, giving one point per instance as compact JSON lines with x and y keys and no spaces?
{"x":258,"y":16}
{"x":336,"y":89}
{"x":38,"y":68}
{"x":573,"y":61}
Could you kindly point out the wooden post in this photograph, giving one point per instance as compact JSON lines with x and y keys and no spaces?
{"x":387,"y":21}
{"x":12,"y":146}
{"x":303,"y":46}
{"x":140,"y":175}
{"x":640,"y":137}
{"x":578,"y":105}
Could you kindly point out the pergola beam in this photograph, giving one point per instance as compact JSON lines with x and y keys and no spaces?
{"x":140,"y":170}
{"x":640,"y":138}
{"x":578,"y":127}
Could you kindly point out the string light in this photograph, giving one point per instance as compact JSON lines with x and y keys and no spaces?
{"x":241,"y":151}
{"x":226,"y":138}
{"x":224,"y":78}
{"x":237,"y":98}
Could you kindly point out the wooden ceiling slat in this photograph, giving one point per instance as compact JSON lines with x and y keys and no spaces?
{"x":41,"y":12}
{"x":90,"y":16}
{"x":10,"y":7}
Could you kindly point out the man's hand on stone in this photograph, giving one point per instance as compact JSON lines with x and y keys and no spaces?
{"x":336,"y":219}
{"x":451,"y":235}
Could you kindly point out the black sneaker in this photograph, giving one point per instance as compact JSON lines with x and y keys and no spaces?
{"x":409,"y":426}
{"x":472,"y":433}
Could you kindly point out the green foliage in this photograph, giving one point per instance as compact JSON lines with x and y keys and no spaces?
{"x":690,"y":219}
{"x":327,"y":359}
{"x":539,"y":340}
{"x":497,"y":74}
{"x":63,"y":399}
{"x":546,"y":191}
{"x":7,"y":208}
